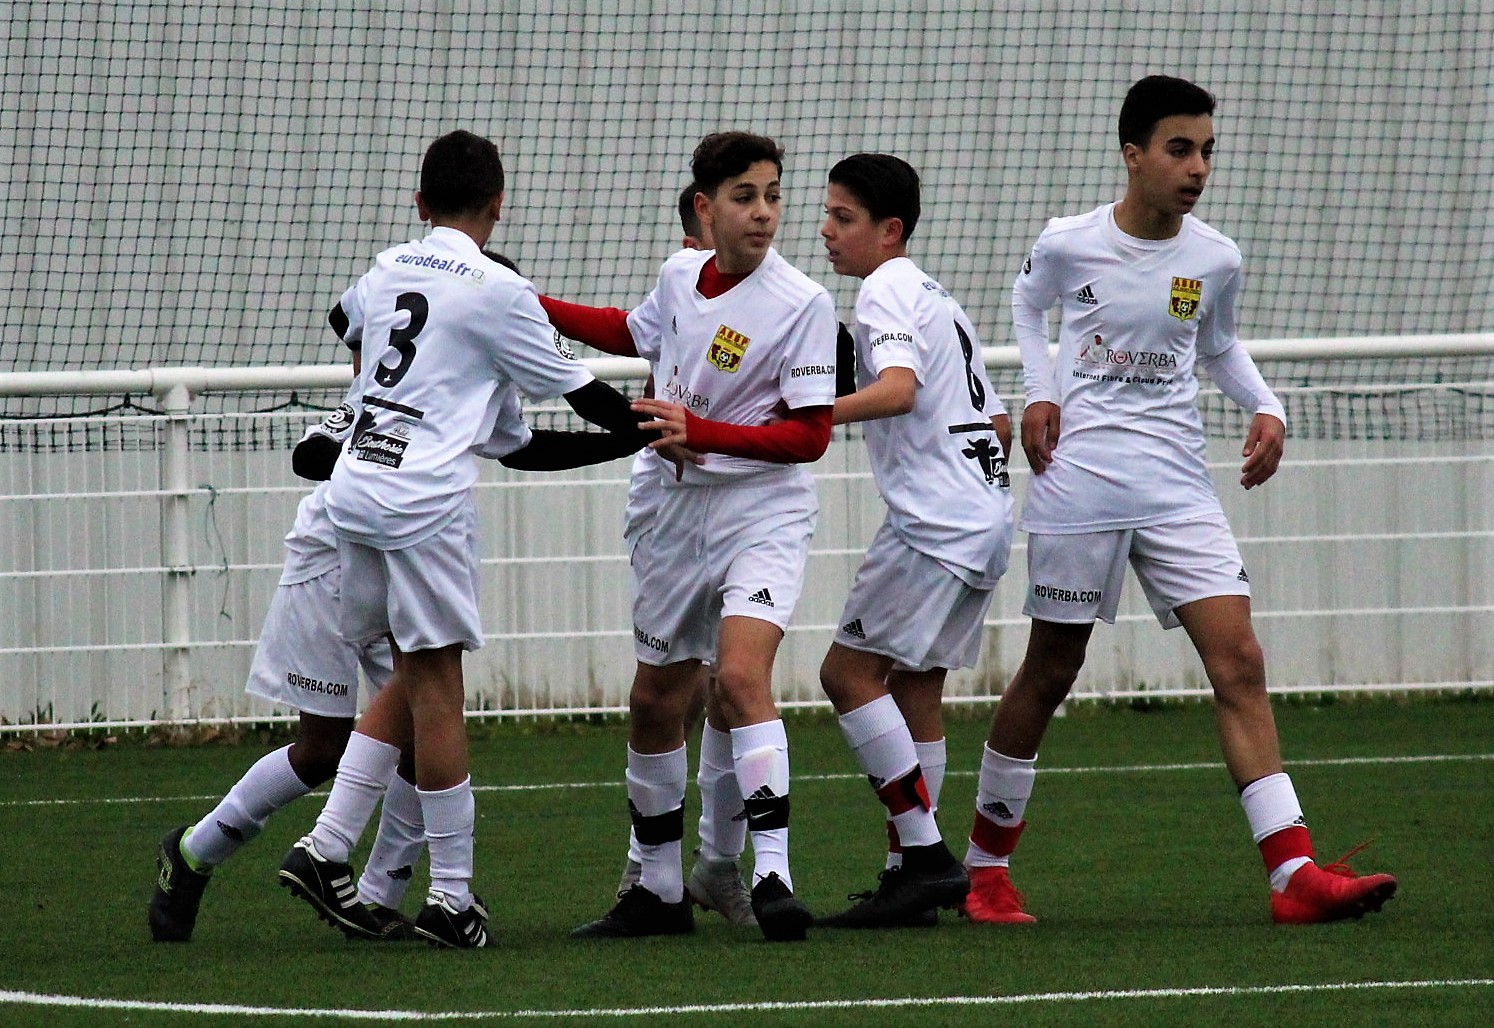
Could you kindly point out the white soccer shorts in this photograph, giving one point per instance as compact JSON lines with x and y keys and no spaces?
{"x":731,"y":549}
{"x":908,"y":606}
{"x":303,"y":662}
{"x":425,"y":595}
{"x":1074,"y":579}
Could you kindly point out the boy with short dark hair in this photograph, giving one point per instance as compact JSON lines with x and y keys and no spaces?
{"x":447,"y":335}
{"x":936,"y":435}
{"x":1116,"y":444}
{"x":743,"y":352}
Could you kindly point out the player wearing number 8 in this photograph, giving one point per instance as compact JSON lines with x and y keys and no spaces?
{"x":937,"y":439}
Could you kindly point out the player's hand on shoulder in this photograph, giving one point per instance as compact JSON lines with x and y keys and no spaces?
{"x":1264,"y":445}
{"x":1040,"y":423}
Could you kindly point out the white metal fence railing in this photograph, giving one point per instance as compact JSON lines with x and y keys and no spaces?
{"x":135,"y":572}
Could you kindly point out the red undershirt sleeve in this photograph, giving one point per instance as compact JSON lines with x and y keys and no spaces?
{"x":799,"y":439}
{"x":605,"y":328}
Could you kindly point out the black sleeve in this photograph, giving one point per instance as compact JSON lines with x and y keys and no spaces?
{"x":607,"y":408}
{"x":845,"y":362}
{"x":338,"y":319}
{"x":315,"y":456}
{"x":560,"y":451}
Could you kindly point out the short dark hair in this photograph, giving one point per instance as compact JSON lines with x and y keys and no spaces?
{"x":885,"y":185}
{"x":461,"y":174}
{"x":724,"y":155}
{"x":1154,"y":98}
{"x":689,"y":220}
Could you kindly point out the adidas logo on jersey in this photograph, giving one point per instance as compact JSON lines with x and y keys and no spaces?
{"x":854,"y":629}
{"x":1086,"y":295}
{"x":761,"y":596}
{"x":1242,"y":576}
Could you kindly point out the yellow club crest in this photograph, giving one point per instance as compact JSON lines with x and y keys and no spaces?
{"x":1186,"y":294}
{"x":727,"y":349}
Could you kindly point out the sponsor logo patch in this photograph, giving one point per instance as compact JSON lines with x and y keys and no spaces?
{"x":1186,"y":295}
{"x":728,"y":349}
{"x":381,"y":449}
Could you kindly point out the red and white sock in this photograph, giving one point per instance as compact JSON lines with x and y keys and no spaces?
{"x":1277,"y":825}
{"x":879,"y":737}
{"x":1001,"y":797}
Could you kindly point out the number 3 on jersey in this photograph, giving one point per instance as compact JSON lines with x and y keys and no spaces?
{"x":402,"y":340}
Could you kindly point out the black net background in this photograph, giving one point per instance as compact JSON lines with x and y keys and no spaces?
{"x":196,"y":183}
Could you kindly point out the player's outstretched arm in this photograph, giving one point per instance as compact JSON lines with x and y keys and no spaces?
{"x":1264,"y":445}
{"x":801,"y":438}
{"x":1040,"y":425}
{"x":605,"y":328}
{"x":561,"y":451}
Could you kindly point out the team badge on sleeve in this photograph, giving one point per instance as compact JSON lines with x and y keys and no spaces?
{"x":1186,"y":294}
{"x":727,"y":349}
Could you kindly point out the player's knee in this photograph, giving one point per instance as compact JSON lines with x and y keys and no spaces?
{"x":1238,"y":670}
{"x":315,"y":761}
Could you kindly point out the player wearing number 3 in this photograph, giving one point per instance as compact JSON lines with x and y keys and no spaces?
{"x":1113,"y":435}
{"x":446,"y":334}
{"x":936,"y":436}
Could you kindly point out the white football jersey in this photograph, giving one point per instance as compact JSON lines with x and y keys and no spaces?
{"x":746,"y":357}
{"x":1135,"y":316}
{"x":939,"y":467}
{"x":443,"y":330}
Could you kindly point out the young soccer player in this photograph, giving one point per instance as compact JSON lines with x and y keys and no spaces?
{"x":1113,"y":435}
{"x":715,"y":880}
{"x":743,"y":352}
{"x":302,"y":663}
{"x":447,"y":335}
{"x":931,"y":433}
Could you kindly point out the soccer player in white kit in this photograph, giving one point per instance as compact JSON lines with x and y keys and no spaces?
{"x":446,"y":334}
{"x":742,"y":348}
{"x":931,"y":422}
{"x":301,"y":663}
{"x":715,"y":880}
{"x":1116,"y":445}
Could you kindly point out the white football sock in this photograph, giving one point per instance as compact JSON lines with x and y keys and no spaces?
{"x":723,"y":826}
{"x":450,"y":815}
{"x":266,"y":787}
{"x":396,"y":848}
{"x":760,"y":754}
{"x":362,"y":776}
{"x":656,"y":788}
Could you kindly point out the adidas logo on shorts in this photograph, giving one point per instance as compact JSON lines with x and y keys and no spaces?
{"x":1087,"y":295}
{"x":854,"y":629}
{"x":761,"y":596}
{"x":1242,"y":576}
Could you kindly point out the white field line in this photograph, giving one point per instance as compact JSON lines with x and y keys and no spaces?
{"x":1431,"y":758}
{"x":901,"y":1002}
